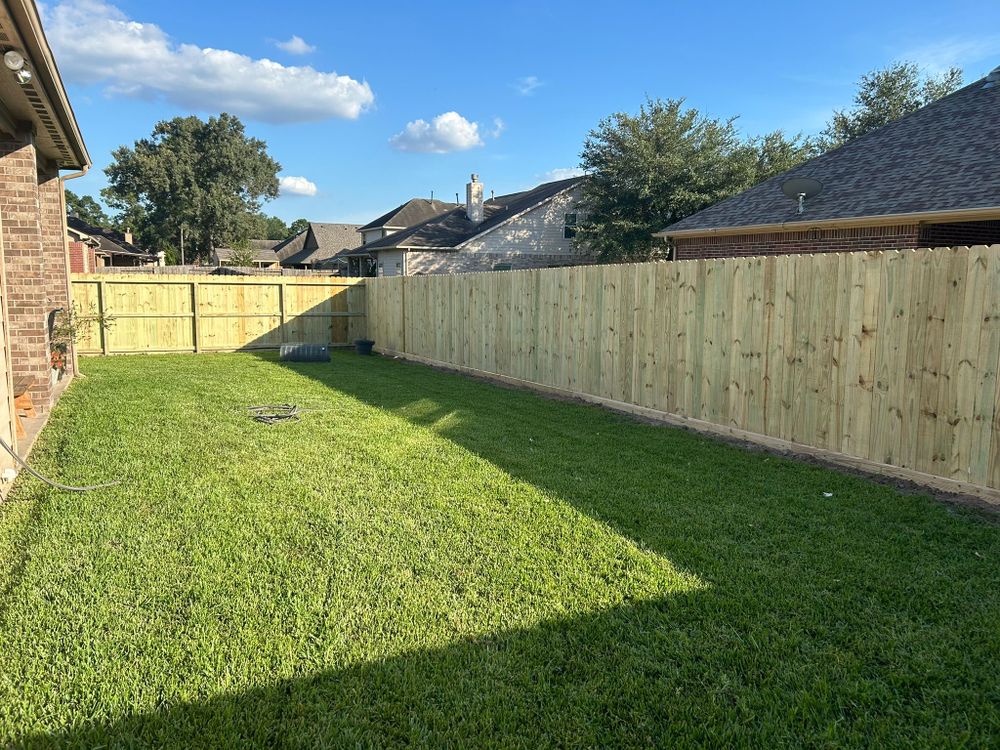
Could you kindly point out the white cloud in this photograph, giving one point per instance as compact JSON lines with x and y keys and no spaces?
{"x":297,"y":186}
{"x":562,"y":173}
{"x":296,"y":46}
{"x":96,"y":43}
{"x":961,"y":52}
{"x":498,"y":127}
{"x":444,"y":134}
{"x":526,"y":86}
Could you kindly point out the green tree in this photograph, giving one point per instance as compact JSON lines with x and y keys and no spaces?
{"x":86,"y":209}
{"x":269,"y":228}
{"x":297,"y":226}
{"x":886,"y":95}
{"x":648,"y":170}
{"x":242,"y":253}
{"x":209,"y":177}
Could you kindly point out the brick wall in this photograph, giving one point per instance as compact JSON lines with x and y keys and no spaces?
{"x":53,"y":227}
{"x":808,"y":241}
{"x":24,"y":265}
{"x":961,"y":233}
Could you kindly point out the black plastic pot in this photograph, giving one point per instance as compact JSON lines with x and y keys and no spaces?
{"x":363,"y":346}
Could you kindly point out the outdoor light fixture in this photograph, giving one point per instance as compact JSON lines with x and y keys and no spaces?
{"x":14,"y":61}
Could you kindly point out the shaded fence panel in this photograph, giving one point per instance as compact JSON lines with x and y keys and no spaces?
{"x":224,"y":313}
{"x":889,"y":357}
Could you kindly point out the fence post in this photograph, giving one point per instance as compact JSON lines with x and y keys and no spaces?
{"x":281,"y":311}
{"x":196,"y":333}
{"x":102,"y":305}
{"x":402,"y":308}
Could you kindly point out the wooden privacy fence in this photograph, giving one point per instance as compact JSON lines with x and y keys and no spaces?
{"x":212,"y":314}
{"x":887,"y":357}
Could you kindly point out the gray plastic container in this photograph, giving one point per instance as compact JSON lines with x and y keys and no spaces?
{"x":304,"y":353}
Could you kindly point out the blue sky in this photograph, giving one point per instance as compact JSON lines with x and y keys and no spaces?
{"x":424,"y":93}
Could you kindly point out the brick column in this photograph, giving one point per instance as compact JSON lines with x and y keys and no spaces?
{"x":24,"y":265}
{"x":54,"y":245}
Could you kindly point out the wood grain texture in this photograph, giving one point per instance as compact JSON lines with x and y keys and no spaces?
{"x":888,"y":357}
{"x":199,"y":314}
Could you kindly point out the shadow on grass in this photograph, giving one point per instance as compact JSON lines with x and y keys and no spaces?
{"x":824,"y":621}
{"x":591,"y":681}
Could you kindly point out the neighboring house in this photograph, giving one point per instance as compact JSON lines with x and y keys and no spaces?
{"x":316,"y":246}
{"x":263,"y":254}
{"x":415,"y":211}
{"x":92,"y":248}
{"x":39,"y":137}
{"x":531,"y":229}
{"x":929,"y":179}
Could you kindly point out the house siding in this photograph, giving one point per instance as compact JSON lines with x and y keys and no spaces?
{"x":536,"y":232}
{"x":535,"y":239}
{"x":459,"y":262}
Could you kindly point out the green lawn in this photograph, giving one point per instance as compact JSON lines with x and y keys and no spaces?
{"x":430,"y":560}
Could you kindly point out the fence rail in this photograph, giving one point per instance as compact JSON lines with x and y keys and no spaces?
{"x":891,"y":357}
{"x":216,"y":313}
{"x":191,"y":270}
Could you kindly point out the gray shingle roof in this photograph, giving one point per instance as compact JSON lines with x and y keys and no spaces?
{"x":412,"y":212}
{"x":453,"y":228}
{"x":320,"y":242}
{"x":263,"y":251}
{"x":943,"y":157}
{"x":111,"y":242}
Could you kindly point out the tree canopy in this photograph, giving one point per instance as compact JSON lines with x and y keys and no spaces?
{"x":86,"y":209}
{"x":886,"y":95}
{"x":653,"y":168}
{"x":208,"y":177}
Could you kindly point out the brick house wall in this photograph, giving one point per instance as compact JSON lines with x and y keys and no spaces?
{"x":961,"y":233}
{"x":53,"y":225}
{"x":24,"y":265}
{"x":82,"y":258}
{"x":807,"y":241}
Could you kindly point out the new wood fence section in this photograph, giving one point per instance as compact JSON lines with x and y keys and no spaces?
{"x":222,"y":313}
{"x":890,"y":358}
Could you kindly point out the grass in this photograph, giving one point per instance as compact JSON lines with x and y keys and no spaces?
{"x":430,"y":560}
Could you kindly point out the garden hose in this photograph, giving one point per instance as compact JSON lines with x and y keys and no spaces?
{"x":50,"y":482}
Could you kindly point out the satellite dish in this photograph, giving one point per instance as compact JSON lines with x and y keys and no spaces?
{"x":800,"y":189}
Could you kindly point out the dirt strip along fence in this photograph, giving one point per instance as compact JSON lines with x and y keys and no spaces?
{"x":216,"y":313}
{"x":886,"y":360}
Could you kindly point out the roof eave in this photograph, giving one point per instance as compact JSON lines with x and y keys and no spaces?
{"x":956,"y":215}
{"x":25,"y":15}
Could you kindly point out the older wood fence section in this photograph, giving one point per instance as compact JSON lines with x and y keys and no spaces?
{"x":889,"y":357}
{"x":211,"y":314}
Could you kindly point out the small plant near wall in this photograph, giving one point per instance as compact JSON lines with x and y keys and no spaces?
{"x":66,"y":327}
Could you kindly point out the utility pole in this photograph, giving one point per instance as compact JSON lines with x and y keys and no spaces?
{"x":182,"y":244}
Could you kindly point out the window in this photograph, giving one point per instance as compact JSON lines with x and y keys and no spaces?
{"x":569,"y":227}
{"x":502,"y":266}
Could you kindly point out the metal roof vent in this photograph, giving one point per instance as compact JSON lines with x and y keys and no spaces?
{"x":993,"y":79}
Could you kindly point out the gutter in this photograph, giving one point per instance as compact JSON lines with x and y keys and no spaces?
{"x":957,"y":215}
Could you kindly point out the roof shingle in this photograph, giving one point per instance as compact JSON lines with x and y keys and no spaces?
{"x":943,"y":157}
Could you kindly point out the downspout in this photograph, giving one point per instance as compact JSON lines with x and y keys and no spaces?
{"x":65,"y":231}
